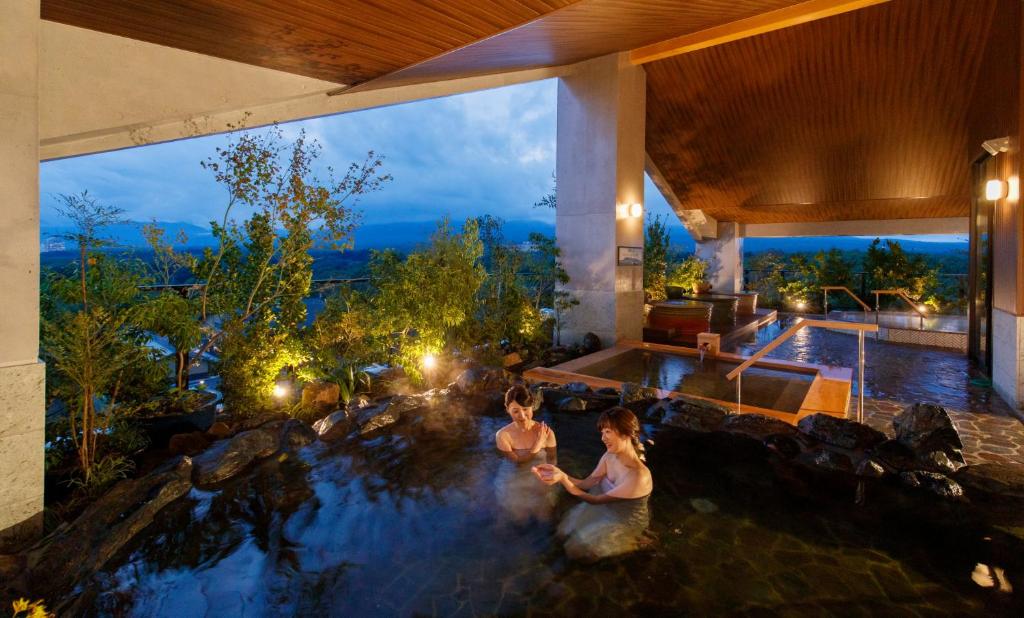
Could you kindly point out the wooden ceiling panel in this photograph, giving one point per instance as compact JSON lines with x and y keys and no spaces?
{"x":586,"y":29}
{"x":342,"y":41}
{"x":866,"y":110}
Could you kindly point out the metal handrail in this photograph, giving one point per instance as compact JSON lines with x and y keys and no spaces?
{"x":737,"y":373}
{"x":899,"y":294}
{"x":826,"y":288}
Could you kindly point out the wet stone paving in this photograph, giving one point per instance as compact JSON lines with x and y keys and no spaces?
{"x":898,"y":375}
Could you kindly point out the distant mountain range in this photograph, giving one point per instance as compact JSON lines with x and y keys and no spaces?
{"x":408,"y":234}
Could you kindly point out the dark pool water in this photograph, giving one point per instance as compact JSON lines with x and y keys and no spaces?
{"x":413,"y":524}
{"x":892,"y":371}
{"x":764,"y":388}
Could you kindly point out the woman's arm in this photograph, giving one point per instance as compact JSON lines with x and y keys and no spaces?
{"x":504,"y":444}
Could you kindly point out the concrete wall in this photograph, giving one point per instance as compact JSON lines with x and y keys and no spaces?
{"x":600,"y":168}
{"x":21,"y":375}
{"x":1008,"y":355}
{"x":724,"y":255}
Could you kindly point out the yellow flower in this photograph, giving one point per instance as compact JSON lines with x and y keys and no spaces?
{"x":20,"y":605}
{"x":39,"y":611}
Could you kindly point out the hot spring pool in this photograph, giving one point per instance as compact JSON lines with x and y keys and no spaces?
{"x":410,"y":523}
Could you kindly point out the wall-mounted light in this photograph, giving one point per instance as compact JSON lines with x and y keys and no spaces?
{"x":636,"y":210}
{"x":995,"y":190}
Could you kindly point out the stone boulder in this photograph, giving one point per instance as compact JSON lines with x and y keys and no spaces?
{"x":230,"y":457}
{"x":695,"y":415}
{"x":608,"y":390}
{"x":591,"y":343}
{"x":757,"y":426}
{"x":389,"y":412}
{"x":577,"y":387}
{"x":785,"y":446}
{"x":1003,"y":481}
{"x":218,"y":431}
{"x":321,"y":395}
{"x":333,"y":426}
{"x":477,"y":380}
{"x":188,"y":443}
{"x":659,"y":409}
{"x":840,"y":432}
{"x":869,"y":468}
{"x":634,"y":393}
{"x":895,"y":456}
{"x":926,"y":428}
{"x":76,"y":551}
{"x":572,"y":404}
{"x":933,"y":482}
{"x":828,"y":460}
{"x":295,"y":434}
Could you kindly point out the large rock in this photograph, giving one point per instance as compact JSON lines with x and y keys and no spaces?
{"x":577,"y":387}
{"x":188,"y":443}
{"x":572,"y":404}
{"x":895,"y":456}
{"x":476,"y":380}
{"x":295,"y":434}
{"x":230,"y":457}
{"x":82,"y":548}
{"x":840,"y":432}
{"x":828,"y":460}
{"x":695,"y":415}
{"x":756,"y":426}
{"x":994,"y":480}
{"x":333,"y":426}
{"x":933,"y":482}
{"x":321,"y":395}
{"x":926,"y":428}
{"x":378,"y":421}
{"x":632,"y":393}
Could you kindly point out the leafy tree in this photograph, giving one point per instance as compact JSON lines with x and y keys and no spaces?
{"x":251,"y":305}
{"x":88,"y":218}
{"x":890,"y":267}
{"x":423,"y":303}
{"x":172,"y":314}
{"x":505,"y":309}
{"x":97,"y":362}
{"x":656,"y":244}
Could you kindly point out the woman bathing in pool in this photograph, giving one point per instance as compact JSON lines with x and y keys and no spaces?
{"x":619,"y":475}
{"x":524,"y":439}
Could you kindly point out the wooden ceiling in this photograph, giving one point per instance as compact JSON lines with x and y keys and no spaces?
{"x":341,"y":41}
{"x":858,"y":116}
{"x":399,"y":42}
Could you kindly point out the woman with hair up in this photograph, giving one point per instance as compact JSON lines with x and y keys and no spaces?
{"x":523,"y":441}
{"x":614,"y":515}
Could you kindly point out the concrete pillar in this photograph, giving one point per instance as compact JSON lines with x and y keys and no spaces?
{"x":21,"y":373}
{"x":725,"y":258}
{"x":600,"y":170}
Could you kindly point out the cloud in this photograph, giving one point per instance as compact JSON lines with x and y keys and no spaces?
{"x":489,"y":152}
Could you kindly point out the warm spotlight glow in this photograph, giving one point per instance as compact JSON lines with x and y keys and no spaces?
{"x":429,"y":361}
{"x":801,"y":305}
{"x":995,"y":190}
{"x":636,"y":210}
{"x":280,"y":390}
{"x":922,"y":308}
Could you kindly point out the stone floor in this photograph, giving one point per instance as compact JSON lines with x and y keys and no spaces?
{"x":989,"y":436}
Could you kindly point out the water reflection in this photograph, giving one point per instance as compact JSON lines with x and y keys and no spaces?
{"x":410,"y":526}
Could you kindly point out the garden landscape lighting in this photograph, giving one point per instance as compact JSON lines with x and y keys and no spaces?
{"x":429,"y":361}
{"x":280,"y":390}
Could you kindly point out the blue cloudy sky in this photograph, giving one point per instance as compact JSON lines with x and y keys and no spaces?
{"x":490,"y":152}
{"x":487,"y":152}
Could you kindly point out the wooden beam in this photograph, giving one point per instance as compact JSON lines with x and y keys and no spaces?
{"x":751,"y":26}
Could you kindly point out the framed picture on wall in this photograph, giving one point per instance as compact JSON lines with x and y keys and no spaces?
{"x":631,"y":256}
